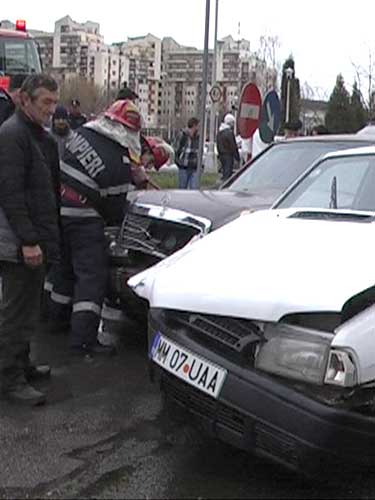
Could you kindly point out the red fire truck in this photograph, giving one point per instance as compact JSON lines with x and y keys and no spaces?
{"x":18,"y":53}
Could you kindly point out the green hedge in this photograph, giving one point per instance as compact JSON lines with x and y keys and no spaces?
{"x":169,"y":180}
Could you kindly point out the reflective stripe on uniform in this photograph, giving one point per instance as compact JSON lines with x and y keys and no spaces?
{"x":48,"y":286}
{"x":87,"y":307}
{"x":115,"y":190}
{"x":78,"y":212}
{"x":61,"y":299}
{"x":112,"y":314}
{"x":78,"y":176}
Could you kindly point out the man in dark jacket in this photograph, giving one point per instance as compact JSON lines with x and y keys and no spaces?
{"x":60,"y":130}
{"x":29,"y":235}
{"x":76,"y":117}
{"x":9,"y":98}
{"x":187,"y":156}
{"x":100,"y":165}
{"x":227,"y":146}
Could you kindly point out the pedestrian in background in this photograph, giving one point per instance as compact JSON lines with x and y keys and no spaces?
{"x":187,"y":156}
{"x":10,"y":98}
{"x":60,"y":129}
{"x":29,"y":234}
{"x":227,"y":146}
{"x":127,"y":93}
{"x":292,"y":129}
{"x":76,"y":117}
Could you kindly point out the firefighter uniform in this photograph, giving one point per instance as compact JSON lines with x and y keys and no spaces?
{"x":95,"y":178}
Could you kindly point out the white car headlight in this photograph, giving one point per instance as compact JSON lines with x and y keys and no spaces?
{"x":295,"y":352}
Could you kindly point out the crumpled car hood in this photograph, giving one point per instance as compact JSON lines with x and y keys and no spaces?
{"x":264,"y":266}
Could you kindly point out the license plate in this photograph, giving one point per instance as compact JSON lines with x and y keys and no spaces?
{"x":196,"y":371}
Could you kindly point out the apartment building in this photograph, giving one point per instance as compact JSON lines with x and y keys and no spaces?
{"x":145,"y":55}
{"x":181,"y":83}
{"x":78,"y":50}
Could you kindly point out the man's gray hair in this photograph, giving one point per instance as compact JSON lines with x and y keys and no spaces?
{"x":37,"y":81}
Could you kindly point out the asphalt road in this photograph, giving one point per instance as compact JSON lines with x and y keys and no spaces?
{"x":103,"y":434}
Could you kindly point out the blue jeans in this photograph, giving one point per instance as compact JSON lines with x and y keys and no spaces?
{"x":188,"y":178}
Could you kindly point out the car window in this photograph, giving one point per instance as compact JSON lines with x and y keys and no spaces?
{"x":279,"y":166}
{"x":344,"y":183}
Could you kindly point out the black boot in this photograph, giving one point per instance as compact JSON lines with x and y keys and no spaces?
{"x":35,"y":373}
{"x":25,"y":394}
{"x":93,"y":350}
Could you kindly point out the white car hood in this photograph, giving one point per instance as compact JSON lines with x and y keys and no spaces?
{"x":264,"y":266}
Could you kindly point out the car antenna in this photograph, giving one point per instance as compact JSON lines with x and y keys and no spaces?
{"x":333,"y":200}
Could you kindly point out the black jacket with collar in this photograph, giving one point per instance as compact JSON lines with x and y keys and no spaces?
{"x":28,"y":184}
{"x":7,"y":106}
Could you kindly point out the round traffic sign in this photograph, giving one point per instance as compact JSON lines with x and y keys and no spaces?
{"x":270,"y":117}
{"x":248,"y":115}
{"x":215,"y":93}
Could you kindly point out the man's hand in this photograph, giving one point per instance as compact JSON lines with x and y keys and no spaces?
{"x":32,"y":256}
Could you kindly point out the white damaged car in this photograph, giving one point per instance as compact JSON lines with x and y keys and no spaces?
{"x":264,"y":331}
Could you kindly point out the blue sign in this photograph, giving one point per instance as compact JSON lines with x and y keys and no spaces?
{"x":270,"y":117}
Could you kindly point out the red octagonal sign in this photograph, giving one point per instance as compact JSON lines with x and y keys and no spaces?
{"x":248,"y":115}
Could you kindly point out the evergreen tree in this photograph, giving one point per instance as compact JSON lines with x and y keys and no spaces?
{"x":339,"y":117}
{"x":359,"y":115}
{"x":295,"y":94}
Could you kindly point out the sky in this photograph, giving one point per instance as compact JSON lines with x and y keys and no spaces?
{"x":325,"y":36}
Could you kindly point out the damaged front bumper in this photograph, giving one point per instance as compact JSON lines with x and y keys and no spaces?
{"x":268,"y":415}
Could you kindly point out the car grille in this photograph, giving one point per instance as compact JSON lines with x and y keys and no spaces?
{"x":264,"y":438}
{"x":233,"y":333}
{"x":152,"y":236}
{"x":203,"y":405}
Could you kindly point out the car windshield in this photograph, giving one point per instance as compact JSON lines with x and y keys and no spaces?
{"x":18,"y":55}
{"x":336,"y":183}
{"x":283,"y":163}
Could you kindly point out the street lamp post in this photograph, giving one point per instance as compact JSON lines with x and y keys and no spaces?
{"x":204,"y":92}
{"x":210,"y":159}
{"x":289,"y":72}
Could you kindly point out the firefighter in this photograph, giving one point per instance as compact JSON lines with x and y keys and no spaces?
{"x":100,"y":165}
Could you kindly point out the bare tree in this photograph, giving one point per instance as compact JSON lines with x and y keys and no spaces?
{"x":365,"y":77}
{"x":267,"y":54}
{"x":314,"y":93}
{"x":92,"y":98}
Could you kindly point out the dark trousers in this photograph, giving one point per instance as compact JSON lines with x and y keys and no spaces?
{"x":227,"y":162}
{"x":19,"y":317}
{"x":80,"y":282}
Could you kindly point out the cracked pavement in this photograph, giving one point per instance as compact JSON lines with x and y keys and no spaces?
{"x":103,"y":434}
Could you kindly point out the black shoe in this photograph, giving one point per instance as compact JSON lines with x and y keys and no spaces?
{"x":37,"y":372}
{"x":25,"y":394}
{"x":93,"y":350}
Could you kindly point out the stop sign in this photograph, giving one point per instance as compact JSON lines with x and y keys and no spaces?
{"x":249,"y":111}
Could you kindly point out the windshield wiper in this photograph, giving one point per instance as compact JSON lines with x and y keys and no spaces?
{"x":333,"y":200}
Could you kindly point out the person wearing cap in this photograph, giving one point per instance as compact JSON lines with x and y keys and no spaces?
{"x":127,"y":93}
{"x":76,"y":117}
{"x":102,"y":162}
{"x":227,"y":146}
{"x":292,"y":129}
{"x":60,"y":129}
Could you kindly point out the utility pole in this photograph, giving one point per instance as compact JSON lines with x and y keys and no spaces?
{"x":211,"y":160}
{"x":204,"y":92}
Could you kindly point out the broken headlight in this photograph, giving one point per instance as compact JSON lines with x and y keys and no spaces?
{"x":295,"y":352}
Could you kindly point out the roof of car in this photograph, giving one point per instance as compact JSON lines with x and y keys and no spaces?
{"x":331,"y":138}
{"x":366,"y":150}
